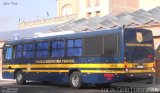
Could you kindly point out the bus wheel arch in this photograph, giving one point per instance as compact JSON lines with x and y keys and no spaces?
{"x":75,"y":78}
{"x":72,"y":70}
{"x":19,"y":76}
{"x":15,"y":72}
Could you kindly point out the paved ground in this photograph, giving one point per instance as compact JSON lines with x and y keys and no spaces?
{"x":34,"y":87}
{"x":10,"y":86}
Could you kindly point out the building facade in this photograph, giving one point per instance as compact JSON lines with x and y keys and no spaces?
{"x":77,"y":9}
{"x":91,"y":8}
{"x":118,"y":6}
{"x":83,"y":8}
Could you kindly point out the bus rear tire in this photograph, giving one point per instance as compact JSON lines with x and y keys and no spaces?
{"x":76,"y":80}
{"x":20,"y":78}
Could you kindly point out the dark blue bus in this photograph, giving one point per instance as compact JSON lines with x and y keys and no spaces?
{"x":98,"y":57}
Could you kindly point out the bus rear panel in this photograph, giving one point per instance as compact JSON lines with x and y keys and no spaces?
{"x":139,"y":53}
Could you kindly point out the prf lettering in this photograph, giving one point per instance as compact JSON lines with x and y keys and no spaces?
{"x":56,"y":61}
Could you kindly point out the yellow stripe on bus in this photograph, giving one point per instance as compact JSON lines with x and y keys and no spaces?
{"x":118,"y":65}
{"x":103,"y":71}
{"x":140,"y":71}
{"x":11,"y":71}
{"x":45,"y":71}
{"x":66,"y":66}
{"x":86,"y":71}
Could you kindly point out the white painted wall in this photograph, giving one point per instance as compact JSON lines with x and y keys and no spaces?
{"x":148,"y":4}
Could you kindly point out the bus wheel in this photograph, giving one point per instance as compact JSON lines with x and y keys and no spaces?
{"x":75,"y":80}
{"x":20,"y":78}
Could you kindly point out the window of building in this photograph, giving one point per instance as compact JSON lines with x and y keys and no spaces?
{"x":74,"y":47}
{"x":66,"y":10}
{"x":42,"y":50}
{"x":89,"y":15}
{"x":89,"y":3}
{"x":8,"y":54}
{"x":58,"y":49}
{"x":97,"y":13}
{"x":97,"y":2}
{"x":19,"y":51}
{"x":28,"y":50}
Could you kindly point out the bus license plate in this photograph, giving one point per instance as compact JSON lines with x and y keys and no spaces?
{"x":139,"y":66}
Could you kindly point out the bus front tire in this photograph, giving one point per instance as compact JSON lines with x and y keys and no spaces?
{"x":20,"y":78}
{"x":76,"y":80}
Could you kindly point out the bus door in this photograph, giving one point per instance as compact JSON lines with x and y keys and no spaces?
{"x":7,"y":56}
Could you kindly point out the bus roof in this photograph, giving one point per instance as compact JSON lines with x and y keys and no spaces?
{"x":68,"y":36}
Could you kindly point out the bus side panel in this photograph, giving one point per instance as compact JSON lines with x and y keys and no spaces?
{"x":55,"y":77}
{"x":100,"y":79}
{"x":7,"y":75}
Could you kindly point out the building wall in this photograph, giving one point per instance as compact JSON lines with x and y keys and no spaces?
{"x":82,"y":8}
{"x":106,"y":6}
{"x":62,"y":3}
{"x":148,"y":4}
{"x":76,"y":9}
{"x":156,"y":42}
{"x":102,"y":8}
{"x":118,"y":6}
{"x":1,"y":45}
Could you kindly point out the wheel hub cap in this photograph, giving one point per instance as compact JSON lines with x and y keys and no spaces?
{"x":75,"y":80}
{"x":19,"y":77}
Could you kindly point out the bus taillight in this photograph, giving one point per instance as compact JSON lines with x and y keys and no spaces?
{"x":149,"y":56}
{"x":125,"y":66}
{"x":109,"y":76}
{"x":154,"y":65}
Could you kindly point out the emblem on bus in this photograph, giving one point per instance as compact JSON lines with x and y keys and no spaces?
{"x":139,"y":37}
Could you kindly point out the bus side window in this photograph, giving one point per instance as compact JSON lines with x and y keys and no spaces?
{"x":58,"y":49}
{"x":74,"y":47}
{"x":19,"y":51}
{"x":42,"y":50}
{"x":8,"y":54}
{"x":111,"y":45}
{"x":93,"y":46}
{"x":28,"y":50}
